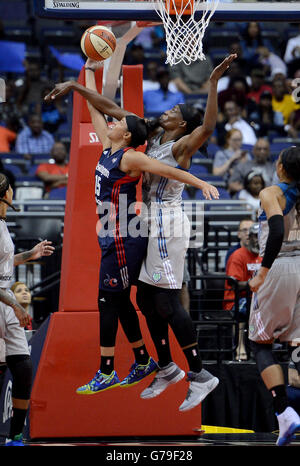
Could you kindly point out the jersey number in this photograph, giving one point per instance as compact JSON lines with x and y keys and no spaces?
{"x":97,"y":185}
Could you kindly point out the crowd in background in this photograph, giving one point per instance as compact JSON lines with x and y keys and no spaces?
{"x":256,"y":104}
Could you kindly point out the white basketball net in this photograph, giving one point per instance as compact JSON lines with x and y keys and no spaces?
{"x":184,"y":34}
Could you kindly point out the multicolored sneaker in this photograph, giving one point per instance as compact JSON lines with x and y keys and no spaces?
{"x":138,"y":372}
{"x":17,"y":441}
{"x":99,"y":383}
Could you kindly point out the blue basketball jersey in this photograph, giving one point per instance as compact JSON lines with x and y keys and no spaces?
{"x":122,"y":252}
{"x":115,"y":191}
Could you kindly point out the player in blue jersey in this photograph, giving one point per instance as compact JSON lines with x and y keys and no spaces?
{"x":123,"y":246}
{"x":182,"y":133}
{"x":275,"y":306}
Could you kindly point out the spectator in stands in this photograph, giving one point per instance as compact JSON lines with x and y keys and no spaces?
{"x":135,"y":55}
{"x":55,"y":175}
{"x":283,"y":102}
{"x":243,"y":236}
{"x":232,"y":118}
{"x":253,"y":184}
{"x":9,"y":174}
{"x":150,"y":81}
{"x":258,"y":85}
{"x":34,"y":139}
{"x":8,"y":109}
{"x":8,"y":135}
{"x":237,"y":91}
{"x":251,"y":40}
{"x":227,"y":158}
{"x":271,"y":62}
{"x":236,"y":47}
{"x":31,"y":86}
{"x":232,"y":72}
{"x":23,"y":296}
{"x":53,"y":113}
{"x":242,"y":265}
{"x":261,"y":163}
{"x":151,"y":38}
{"x":292,"y":54}
{"x":158,"y":101}
{"x":193,"y":78}
{"x":265,"y":119}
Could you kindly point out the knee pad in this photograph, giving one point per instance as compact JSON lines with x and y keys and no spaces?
{"x":263,"y":354}
{"x":20,"y":366}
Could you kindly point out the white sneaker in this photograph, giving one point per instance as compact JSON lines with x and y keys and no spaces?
{"x":164,"y":377}
{"x":289,"y":423}
{"x":201,"y":384}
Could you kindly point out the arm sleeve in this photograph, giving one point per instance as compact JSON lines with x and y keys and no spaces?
{"x":274,"y":240}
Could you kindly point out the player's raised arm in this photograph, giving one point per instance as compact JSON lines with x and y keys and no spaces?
{"x":190,"y":143}
{"x":98,"y":119}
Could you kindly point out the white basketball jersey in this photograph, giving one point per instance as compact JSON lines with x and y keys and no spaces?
{"x":157,"y":188}
{"x":7,"y":251}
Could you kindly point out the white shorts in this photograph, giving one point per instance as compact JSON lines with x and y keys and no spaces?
{"x":11,"y":332}
{"x":167,"y":245}
{"x":275,"y":308}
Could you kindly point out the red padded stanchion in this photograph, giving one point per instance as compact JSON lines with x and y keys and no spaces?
{"x":71,"y":352}
{"x":69,"y":359}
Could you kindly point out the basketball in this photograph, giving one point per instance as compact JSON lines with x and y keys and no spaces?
{"x":98,"y":43}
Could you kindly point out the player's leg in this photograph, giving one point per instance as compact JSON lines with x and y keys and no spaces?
{"x":19,"y":363}
{"x":168,"y":373}
{"x":273,"y":378}
{"x":106,"y":377}
{"x":267,"y":309}
{"x":143,"y":365}
{"x":20,"y":366}
{"x":168,"y":305}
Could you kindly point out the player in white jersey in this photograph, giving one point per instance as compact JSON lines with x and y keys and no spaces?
{"x":182,"y":134}
{"x":13,"y":318}
{"x":275,"y":307}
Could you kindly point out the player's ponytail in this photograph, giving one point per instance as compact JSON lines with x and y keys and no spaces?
{"x":4,"y":185}
{"x":290,"y":159}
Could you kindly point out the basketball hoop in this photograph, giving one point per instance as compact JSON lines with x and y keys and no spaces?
{"x":184,"y":33}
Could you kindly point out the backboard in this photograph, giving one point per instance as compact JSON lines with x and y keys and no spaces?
{"x":143,"y":10}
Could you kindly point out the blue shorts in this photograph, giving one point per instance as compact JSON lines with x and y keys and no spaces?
{"x":121,"y":261}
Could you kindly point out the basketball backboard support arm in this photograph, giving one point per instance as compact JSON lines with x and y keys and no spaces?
{"x":145,"y":10}
{"x":112,"y":66}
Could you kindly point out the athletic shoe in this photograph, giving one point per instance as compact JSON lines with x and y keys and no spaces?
{"x":289,"y":423}
{"x":138,"y":372}
{"x":99,"y":383}
{"x":17,"y":441}
{"x":201,"y":384}
{"x":165,"y":376}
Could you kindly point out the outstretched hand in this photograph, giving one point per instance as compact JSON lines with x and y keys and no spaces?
{"x":59,"y":90}
{"x":41,"y":249}
{"x":209,"y":191}
{"x":220,"y":69}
